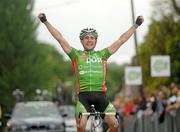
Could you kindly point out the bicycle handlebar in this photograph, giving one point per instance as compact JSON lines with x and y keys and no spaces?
{"x":97,"y":113}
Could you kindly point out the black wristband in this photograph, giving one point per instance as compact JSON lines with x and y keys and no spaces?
{"x":138,"y":21}
{"x":43,"y":18}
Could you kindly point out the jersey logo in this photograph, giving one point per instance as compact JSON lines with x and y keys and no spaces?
{"x":93,"y":60}
{"x":84,"y":56}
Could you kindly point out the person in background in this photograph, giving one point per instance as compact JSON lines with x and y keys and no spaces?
{"x":172,"y":104}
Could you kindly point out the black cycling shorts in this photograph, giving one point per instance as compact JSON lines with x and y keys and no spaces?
{"x":98,"y":99}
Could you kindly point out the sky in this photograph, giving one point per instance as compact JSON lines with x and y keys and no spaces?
{"x":111,"y":18}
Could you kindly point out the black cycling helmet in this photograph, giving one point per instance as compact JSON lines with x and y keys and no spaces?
{"x":86,"y":31}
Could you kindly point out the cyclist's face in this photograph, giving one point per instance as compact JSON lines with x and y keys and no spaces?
{"x":89,"y":42}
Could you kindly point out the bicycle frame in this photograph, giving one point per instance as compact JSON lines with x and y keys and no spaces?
{"x":94,"y":115}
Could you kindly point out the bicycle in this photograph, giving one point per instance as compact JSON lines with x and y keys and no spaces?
{"x":96,"y":119}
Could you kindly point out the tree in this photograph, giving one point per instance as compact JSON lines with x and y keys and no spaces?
{"x":26,"y":64}
{"x":162,"y":39}
{"x":176,"y":6}
{"x":17,"y":37}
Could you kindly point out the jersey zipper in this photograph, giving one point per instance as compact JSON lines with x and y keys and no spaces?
{"x":90,"y":70}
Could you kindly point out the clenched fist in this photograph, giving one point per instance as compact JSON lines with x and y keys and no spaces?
{"x":139,"y":21}
{"x":42,"y":17}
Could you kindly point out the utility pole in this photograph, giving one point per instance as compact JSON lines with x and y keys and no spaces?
{"x":136,"y":47}
{"x":135,"y":35}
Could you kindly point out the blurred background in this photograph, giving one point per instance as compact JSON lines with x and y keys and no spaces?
{"x":33,"y":66}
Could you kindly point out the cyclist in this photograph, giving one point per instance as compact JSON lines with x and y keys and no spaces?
{"x":90,"y":70}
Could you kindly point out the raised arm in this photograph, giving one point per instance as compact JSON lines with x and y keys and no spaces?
{"x":125,"y":36}
{"x":55,"y":33}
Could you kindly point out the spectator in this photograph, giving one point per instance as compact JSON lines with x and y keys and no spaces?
{"x":172,"y":104}
{"x":129,"y":107}
{"x":141,"y":103}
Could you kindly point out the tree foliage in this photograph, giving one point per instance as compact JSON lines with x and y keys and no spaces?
{"x":176,"y":5}
{"x":26,"y":64}
{"x":115,"y":79}
{"x":17,"y":37}
{"x":162,"y":39}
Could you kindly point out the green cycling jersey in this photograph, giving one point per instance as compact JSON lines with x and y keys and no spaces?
{"x":90,"y":69}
